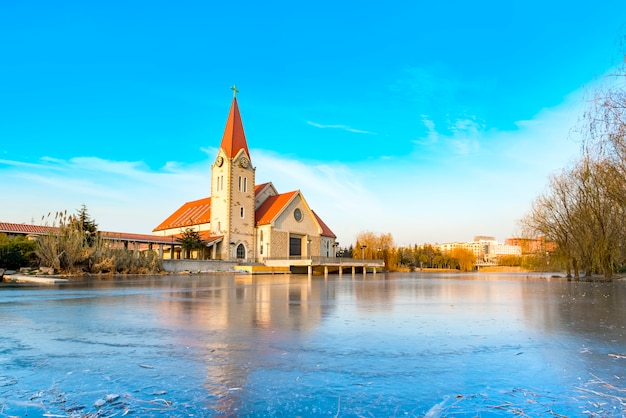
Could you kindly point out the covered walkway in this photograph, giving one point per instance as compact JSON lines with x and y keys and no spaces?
{"x":135,"y":242}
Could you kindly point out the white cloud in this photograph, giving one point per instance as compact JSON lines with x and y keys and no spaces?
{"x":466,"y":136}
{"x":462,"y":136}
{"x":120,"y":195}
{"x":432,"y":137}
{"x":342,"y":127}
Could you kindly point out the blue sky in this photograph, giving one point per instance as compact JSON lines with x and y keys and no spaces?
{"x":432,"y":122}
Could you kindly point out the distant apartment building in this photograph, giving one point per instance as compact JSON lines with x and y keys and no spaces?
{"x":485,"y":248}
{"x":532,"y":245}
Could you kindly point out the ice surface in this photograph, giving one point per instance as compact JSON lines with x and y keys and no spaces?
{"x":394,"y":345}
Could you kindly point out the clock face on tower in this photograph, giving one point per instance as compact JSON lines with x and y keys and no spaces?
{"x":244,"y":162}
{"x":219,"y":161}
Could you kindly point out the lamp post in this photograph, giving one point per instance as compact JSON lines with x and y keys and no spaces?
{"x":363,"y":247}
{"x":335,"y":244}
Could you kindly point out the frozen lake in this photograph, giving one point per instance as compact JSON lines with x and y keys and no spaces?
{"x":394,"y":345}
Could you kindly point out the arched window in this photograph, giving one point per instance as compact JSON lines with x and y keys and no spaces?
{"x":261,"y":239}
{"x":241,"y":251}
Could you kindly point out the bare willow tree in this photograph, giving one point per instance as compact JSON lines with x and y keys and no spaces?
{"x":602,"y":227}
{"x":604,"y":141}
{"x":604,"y":123}
{"x":580,"y":214}
{"x":583,"y":210}
{"x":551,"y":216}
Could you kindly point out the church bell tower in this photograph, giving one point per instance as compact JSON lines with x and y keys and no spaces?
{"x":232,"y":191}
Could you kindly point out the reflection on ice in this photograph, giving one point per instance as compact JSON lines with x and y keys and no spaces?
{"x":413,"y":344}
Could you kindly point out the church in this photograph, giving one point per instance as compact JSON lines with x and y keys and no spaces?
{"x":247,"y":222}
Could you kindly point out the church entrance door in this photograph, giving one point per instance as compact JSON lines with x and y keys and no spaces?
{"x":295,"y":246}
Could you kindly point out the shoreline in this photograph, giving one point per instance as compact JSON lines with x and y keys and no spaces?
{"x":25,"y":278}
{"x":19,"y":278}
{"x":22,"y":278}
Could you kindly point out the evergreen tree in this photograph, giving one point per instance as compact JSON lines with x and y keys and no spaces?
{"x":190,"y":240}
{"x":83,"y":222}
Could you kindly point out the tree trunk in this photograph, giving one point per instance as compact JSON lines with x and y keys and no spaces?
{"x":608,"y":267}
{"x":576,"y":269}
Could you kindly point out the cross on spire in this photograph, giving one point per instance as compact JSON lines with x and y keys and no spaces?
{"x":234,"y":89}
{"x":234,"y":138}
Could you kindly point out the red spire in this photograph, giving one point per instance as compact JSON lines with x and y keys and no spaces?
{"x":234,"y":138}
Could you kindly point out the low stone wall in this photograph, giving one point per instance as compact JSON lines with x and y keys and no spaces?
{"x":194,"y":266}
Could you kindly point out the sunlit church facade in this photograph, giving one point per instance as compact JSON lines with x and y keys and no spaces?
{"x":247,"y":222}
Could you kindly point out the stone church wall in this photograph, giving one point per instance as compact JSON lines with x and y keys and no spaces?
{"x":279,"y":247}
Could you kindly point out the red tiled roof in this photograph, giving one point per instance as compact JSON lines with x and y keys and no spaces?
{"x":259,"y":187}
{"x":326,"y":232}
{"x":234,"y":138}
{"x":272,"y":206}
{"x":191,"y":213}
{"x":127,"y":236}
{"x":204,"y":236}
{"x":25,"y":229}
